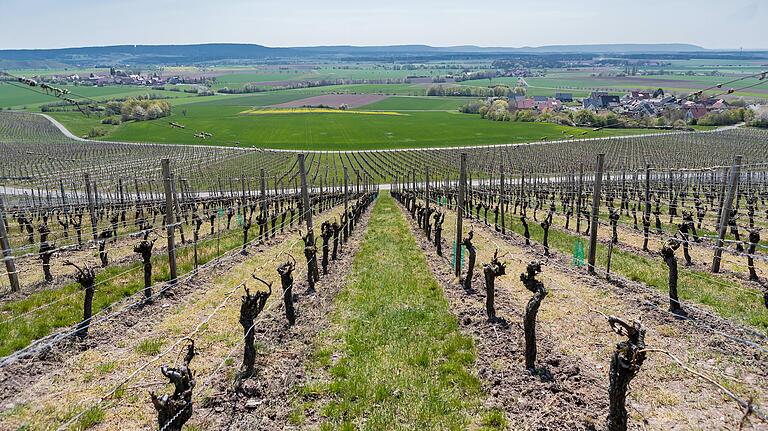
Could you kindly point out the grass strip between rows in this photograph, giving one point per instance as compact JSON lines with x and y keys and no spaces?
{"x":395,"y":356}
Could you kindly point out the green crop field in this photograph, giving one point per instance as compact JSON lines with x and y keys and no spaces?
{"x":12,"y":96}
{"x":331,"y":131}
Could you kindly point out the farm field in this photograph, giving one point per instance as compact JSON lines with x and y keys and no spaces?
{"x":18,"y":98}
{"x":231,"y":126}
{"x":583,"y":82}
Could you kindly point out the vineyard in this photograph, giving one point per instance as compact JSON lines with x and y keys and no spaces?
{"x":598,"y":283}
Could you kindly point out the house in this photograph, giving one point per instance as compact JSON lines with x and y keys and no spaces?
{"x":600,"y":100}
{"x":694,"y":111}
{"x":521,"y":102}
{"x":666,"y":100}
{"x":547,"y":105}
{"x":609,"y":101}
{"x":646,"y":109}
{"x":716,"y":104}
{"x":639,"y":95}
{"x":564,"y":97}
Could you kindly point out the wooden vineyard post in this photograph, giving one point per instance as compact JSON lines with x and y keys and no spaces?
{"x":305,"y":199}
{"x":595,"y":213}
{"x":63,"y":197}
{"x":647,"y":208}
{"x":10,"y":265}
{"x":725,"y":213}
{"x":264,"y":205}
{"x":501,"y":199}
{"x":345,"y":230}
{"x":170,"y":218}
{"x":91,"y":208}
{"x":578,"y":198}
{"x":357,"y":181}
{"x":460,"y":214}
{"x":426,"y":193}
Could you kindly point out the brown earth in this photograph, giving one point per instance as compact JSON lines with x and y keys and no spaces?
{"x":575,"y":345}
{"x":335,"y":100}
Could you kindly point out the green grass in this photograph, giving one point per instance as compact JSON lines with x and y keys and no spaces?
{"x":13,"y":96}
{"x":149,"y":347}
{"x":404,"y":363}
{"x":92,"y":417}
{"x":331,"y":132}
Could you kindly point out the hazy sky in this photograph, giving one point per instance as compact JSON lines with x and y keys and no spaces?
{"x":64,"y":23}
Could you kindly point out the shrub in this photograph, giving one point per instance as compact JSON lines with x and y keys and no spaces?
{"x":96,"y":132}
{"x":497,"y":111}
{"x":725,"y":118}
{"x":140,"y":110}
{"x":111,"y":120}
{"x":757,"y":117}
{"x":471,"y":107}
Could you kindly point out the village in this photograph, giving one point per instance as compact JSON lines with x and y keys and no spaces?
{"x":634,"y":104}
{"x":124,"y":77}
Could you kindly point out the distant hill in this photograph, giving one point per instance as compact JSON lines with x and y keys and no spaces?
{"x":217,"y":52}
{"x":586,"y":49}
{"x":625,"y":48}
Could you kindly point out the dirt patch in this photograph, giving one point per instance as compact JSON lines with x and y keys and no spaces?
{"x":334,"y":100}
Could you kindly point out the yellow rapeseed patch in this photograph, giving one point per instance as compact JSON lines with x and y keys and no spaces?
{"x":314,"y":111}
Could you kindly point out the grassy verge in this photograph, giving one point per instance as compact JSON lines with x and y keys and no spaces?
{"x":401,"y":361}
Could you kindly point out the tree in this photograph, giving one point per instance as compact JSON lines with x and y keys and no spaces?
{"x":584,"y":117}
{"x":154,"y":112}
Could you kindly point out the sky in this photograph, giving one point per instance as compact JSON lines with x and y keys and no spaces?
{"x":280,"y":23}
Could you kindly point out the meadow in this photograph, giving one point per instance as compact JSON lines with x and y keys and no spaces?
{"x":325,"y":131}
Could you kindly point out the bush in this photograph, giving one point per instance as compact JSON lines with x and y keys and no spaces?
{"x":757,"y":117}
{"x":524,"y":116}
{"x":140,"y":110}
{"x":497,"y":111}
{"x":97,"y":132}
{"x":471,"y":107}
{"x":111,"y":120}
{"x":725,"y":118}
{"x":463,"y":90}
